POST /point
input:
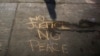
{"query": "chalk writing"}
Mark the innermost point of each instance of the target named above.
(64, 49)
(40, 23)
(41, 46)
(55, 44)
(40, 33)
(47, 35)
(31, 45)
(57, 37)
(48, 47)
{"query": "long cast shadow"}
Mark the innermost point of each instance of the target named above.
(94, 45)
(51, 4)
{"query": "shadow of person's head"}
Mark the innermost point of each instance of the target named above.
(96, 1)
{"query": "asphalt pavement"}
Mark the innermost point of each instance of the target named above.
(31, 27)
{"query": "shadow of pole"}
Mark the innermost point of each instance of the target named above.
(51, 4)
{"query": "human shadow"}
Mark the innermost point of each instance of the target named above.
(83, 26)
(91, 18)
(93, 42)
(51, 4)
(88, 24)
(96, 1)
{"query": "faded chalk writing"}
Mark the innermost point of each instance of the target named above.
(48, 47)
(46, 29)
(41, 22)
(31, 45)
(47, 35)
